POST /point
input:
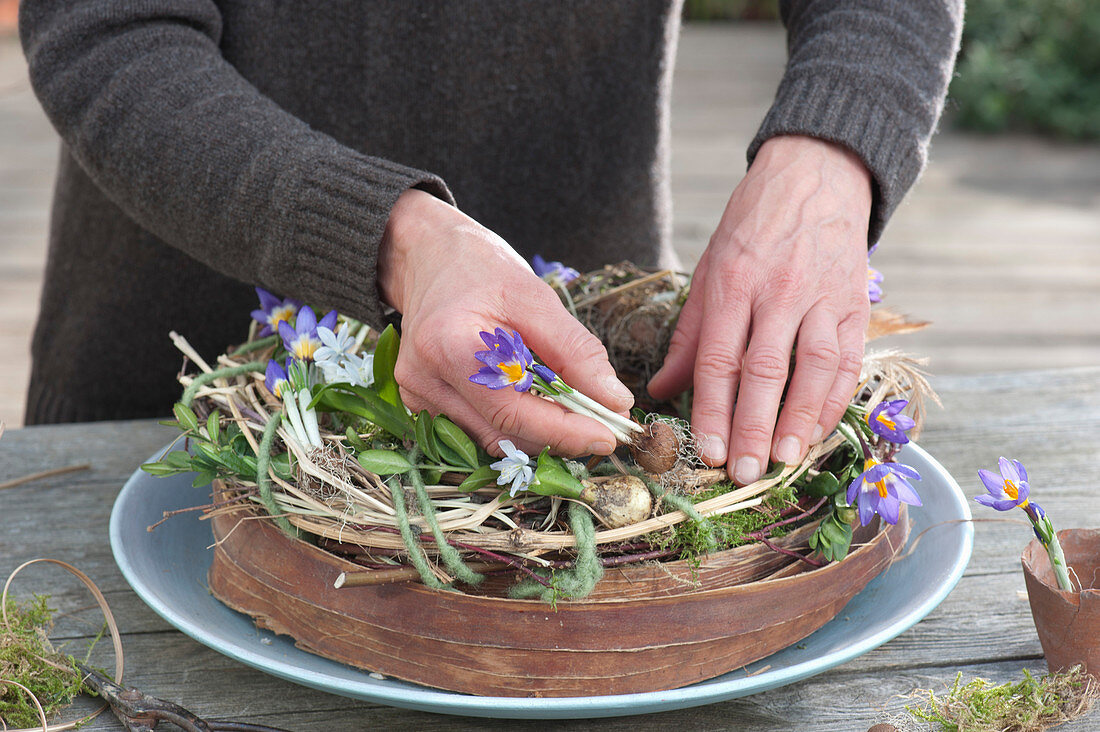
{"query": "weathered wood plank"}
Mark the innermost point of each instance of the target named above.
(1047, 419)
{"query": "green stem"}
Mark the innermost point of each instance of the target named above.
(223, 373)
(1057, 559)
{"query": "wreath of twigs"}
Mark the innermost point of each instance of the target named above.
(337, 499)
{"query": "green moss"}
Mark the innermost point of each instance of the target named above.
(695, 540)
(27, 656)
(1028, 705)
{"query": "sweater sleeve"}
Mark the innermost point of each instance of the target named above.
(190, 150)
(870, 75)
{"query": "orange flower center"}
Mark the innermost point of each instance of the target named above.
(513, 371)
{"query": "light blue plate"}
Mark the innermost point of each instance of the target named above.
(167, 569)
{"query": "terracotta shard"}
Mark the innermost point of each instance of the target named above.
(1068, 623)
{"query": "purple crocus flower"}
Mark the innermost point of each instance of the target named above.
(555, 273)
(545, 372)
(886, 420)
(275, 378)
(1007, 490)
(302, 340)
(881, 488)
(273, 311)
(507, 362)
(874, 284)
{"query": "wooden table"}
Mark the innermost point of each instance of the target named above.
(1049, 420)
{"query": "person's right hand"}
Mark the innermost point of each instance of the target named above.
(451, 278)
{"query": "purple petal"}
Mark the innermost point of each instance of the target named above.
(1008, 470)
(489, 339)
(492, 358)
(288, 335)
(905, 470)
(493, 381)
(260, 316)
(540, 266)
(544, 372)
(1023, 490)
(866, 507)
(329, 321)
(905, 492)
(889, 507)
(877, 473)
(525, 383)
(854, 489)
(1021, 470)
(996, 503)
(994, 483)
(306, 321)
(267, 300)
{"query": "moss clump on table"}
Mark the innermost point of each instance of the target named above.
(1029, 705)
(28, 657)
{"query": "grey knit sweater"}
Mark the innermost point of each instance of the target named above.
(210, 146)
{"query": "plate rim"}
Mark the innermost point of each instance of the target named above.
(395, 692)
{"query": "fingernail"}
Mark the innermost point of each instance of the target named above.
(789, 450)
(714, 449)
(819, 432)
(747, 470)
(616, 388)
(600, 447)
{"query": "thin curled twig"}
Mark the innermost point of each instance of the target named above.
(108, 616)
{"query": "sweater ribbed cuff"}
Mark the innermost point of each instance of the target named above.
(853, 116)
(338, 222)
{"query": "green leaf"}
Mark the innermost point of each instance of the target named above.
(364, 402)
(552, 478)
(203, 477)
(213, 426)
(823, 484)
(281, 463)
(832, 531)
(159, 469)
(385, 360)
(355, 440)
(480, 478)
(186, 417)
(179, 459)
(384, 462)
(425, 436)
(453, 437)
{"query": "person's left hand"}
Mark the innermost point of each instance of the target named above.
(787, 267)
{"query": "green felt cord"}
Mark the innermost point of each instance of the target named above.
(263, 480)
(452, 560)
(254, 345)
(416, 553)
(579, 580)
(203, 379)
